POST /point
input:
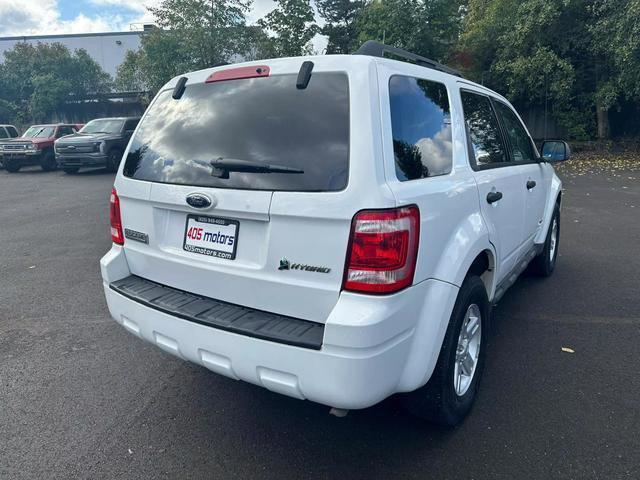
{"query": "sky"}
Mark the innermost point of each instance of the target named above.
(45, 17)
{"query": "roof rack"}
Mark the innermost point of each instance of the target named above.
(377, 49)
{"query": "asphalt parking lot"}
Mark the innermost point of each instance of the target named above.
(82, 398)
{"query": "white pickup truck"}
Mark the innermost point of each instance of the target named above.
(332, 228)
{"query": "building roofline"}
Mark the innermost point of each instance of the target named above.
(70, 35)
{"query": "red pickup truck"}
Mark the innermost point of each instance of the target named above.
(34, 147)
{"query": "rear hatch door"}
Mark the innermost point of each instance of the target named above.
(271, 236)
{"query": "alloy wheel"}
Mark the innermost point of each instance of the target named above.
(468, 350)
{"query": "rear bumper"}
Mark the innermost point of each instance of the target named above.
(368, 350)
(222, 315)
(81, 160)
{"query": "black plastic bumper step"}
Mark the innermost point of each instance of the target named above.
(222, 315)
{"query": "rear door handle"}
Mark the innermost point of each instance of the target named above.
(531, 184)
(493, 197)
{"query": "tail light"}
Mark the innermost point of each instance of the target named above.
(116, 223)
(383, 248)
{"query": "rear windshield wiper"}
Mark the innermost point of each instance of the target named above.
(222, 167)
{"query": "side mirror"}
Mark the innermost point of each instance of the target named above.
(555, 151)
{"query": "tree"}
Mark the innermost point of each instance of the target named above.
(192, 35)
(430, 28)
(7, 108)
(258, 44)
(558, 51)
(208, 31)
(161, 57)
(49, 91)
(88, 76)
(7, 111)
(617, 30)
(293, 24)
(129, 76)
(340, 23)
(36, 79)
(409, 160)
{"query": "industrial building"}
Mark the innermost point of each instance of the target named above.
(108, 49)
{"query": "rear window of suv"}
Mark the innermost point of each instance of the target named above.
(260, 120)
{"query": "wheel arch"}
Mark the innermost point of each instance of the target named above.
(437, 309)
(479, 259)
(462, 247)
(484, 266)
(114, 148)
(553, 199)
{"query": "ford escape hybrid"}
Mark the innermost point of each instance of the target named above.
(332, 228)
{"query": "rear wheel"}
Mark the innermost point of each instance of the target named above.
(449, 395)
(113, 160)
(70, 170)
(545, 262)
(11, 166)
(48, 162)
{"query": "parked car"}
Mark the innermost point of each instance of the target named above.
(7, 131)
(332, 228)
(100, 143)
(34, 147)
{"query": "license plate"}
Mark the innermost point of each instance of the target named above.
(213, 236)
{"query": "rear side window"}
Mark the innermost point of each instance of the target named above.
(3, 133)
(483, 129)
(12, 132)
(265, 121)
(130, 125)
(62, 131)
(521, 148)
(421, 127)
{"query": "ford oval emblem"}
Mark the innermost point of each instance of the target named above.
(199, 200)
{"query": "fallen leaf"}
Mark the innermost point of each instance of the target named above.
(568, 350)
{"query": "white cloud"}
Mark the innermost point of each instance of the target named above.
(437, 151)
(259, 8)
(42, 17)
(140, 8)
(137, 5)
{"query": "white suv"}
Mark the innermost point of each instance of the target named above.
(332, 228)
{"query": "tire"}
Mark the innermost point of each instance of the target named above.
(113, 160)
(48, 162)
(11, 166)
(545, 262)
(447, 397)
(70, 170)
